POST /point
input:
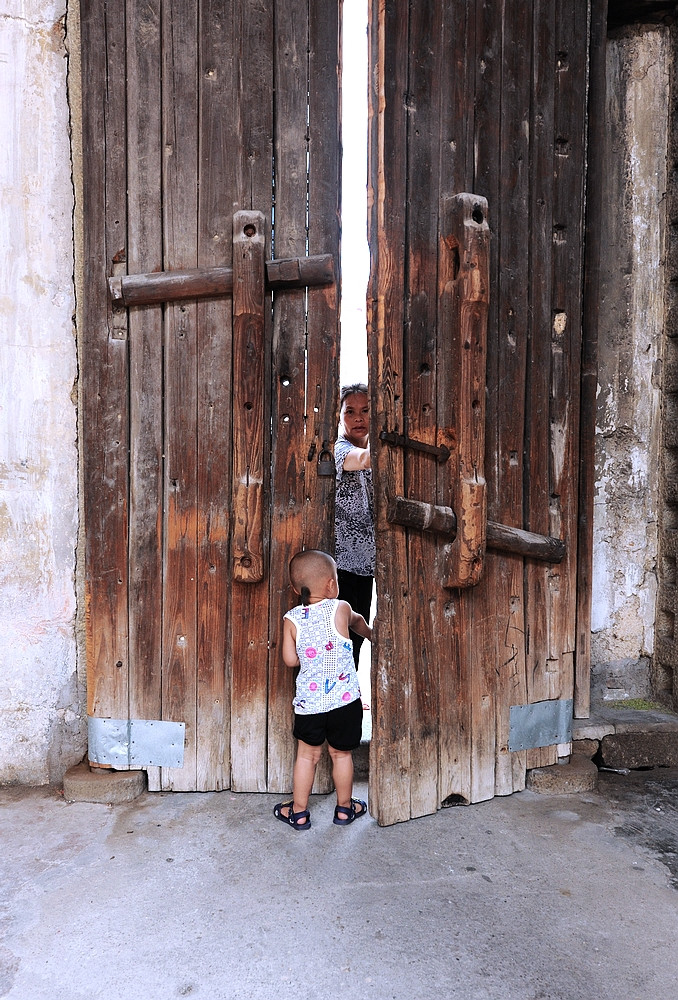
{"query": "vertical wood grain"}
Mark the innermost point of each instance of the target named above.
(180, 177)
(419, 633)
(537, 480)
(144, 212)
(105, 371)
(389, 784)
(456, 145)
(214, 374)
(569, 179)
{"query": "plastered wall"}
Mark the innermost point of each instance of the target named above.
(41, 724)
(630, 353)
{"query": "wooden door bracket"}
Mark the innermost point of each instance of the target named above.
(441, 452)
(500, 537)
(464, 304)
(248, 397)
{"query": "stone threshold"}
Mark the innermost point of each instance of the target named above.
(627, 738)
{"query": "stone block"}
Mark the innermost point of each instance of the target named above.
(585, 748)
(640, 749)
(593, 728)
(578, 775)
(81, 784)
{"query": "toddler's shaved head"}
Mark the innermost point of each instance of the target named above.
(309, 571)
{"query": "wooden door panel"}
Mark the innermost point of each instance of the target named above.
(507, 122)
(179, 115)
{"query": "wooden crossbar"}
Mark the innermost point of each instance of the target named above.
(208, 282)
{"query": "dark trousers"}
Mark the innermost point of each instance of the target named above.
(357, 590)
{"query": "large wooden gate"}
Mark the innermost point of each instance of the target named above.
(204, 421)
(193, 112)
(470, 96)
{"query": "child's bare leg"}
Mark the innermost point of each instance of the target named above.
(342, 775)
(303, 775)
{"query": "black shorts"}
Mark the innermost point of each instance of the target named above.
(342, 727)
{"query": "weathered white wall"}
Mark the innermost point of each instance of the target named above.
(41, 731)
(630, 337)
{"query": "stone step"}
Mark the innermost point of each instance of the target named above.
(579, 774)
(624, 737)
(82, 784)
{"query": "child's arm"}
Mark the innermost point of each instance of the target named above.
(348, 618)
(359, 625)
(289, 644)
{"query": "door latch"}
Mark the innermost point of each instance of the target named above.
(440, 452)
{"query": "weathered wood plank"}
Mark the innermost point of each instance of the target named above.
(456, 146)
(539, 364)
(491, 120)
(389, 783)
(144, 253)
(323, 234)
(214, 374)
(552, 674)
(426, 643)
(252, 111)
(288, 416)
(570, 125)
(507, 39)
(105, 375)
(180, 185)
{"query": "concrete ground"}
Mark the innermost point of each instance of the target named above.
(532, 897)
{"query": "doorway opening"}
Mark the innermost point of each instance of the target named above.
(355, 255)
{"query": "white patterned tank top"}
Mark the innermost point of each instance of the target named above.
(327, 677)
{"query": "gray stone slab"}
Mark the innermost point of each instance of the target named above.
(593, 728)
(629, 720)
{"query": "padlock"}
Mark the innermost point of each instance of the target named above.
(326, 466)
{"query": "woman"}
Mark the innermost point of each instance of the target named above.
(354, 511)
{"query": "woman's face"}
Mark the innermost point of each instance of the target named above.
(355, 418)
